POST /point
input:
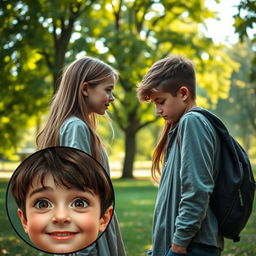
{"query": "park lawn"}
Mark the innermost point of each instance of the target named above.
(134, 207)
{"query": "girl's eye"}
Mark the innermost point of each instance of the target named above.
(43, 204)
(79, 203)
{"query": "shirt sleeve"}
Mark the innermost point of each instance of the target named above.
(197, 149)
(76, 134)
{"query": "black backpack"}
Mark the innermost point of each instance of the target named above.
(233, 194)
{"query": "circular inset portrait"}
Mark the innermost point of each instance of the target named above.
(60, 200)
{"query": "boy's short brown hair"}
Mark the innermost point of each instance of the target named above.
(69, 167)
(168, 75)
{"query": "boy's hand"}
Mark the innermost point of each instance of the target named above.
(178, 249)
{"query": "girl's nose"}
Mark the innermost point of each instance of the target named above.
(61, 216)
(111, 98)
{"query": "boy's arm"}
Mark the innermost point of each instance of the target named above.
(197, 147)
(178, 249)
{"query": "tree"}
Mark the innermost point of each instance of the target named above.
(245, 26)
(238, 110)
(133, 35)
(35, 38)
(130, 35)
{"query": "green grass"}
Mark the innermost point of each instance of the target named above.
(134, 207)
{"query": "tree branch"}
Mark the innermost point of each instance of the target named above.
(81, 10)
(118, 118)
(117, 14)
(139, 22)
(47, 59)
(147, 123)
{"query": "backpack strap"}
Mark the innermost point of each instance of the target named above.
(221, 130)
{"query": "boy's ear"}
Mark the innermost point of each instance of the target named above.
(84, 88)
(104, 220)
(184, 91)
(23, 220)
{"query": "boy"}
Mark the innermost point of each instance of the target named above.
(64, 197)
(183, 222)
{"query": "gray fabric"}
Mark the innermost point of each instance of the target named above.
(75, 133)
(182, 213)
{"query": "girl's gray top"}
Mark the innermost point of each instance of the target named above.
(75, 133)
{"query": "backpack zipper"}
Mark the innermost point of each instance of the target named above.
(240, 197)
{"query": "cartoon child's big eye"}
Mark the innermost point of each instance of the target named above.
(42, 204)
(79, 203)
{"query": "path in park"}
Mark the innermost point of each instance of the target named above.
(114, 174)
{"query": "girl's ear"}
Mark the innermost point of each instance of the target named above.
(184, 92)
(104, 220)
(23, 220)
(84, 88)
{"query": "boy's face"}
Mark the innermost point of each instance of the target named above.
(169, 107)
(61, 220)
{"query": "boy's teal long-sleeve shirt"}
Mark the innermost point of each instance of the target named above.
(182, 213)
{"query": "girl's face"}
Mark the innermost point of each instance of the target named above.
(169, 107)
(61, 220)
(100, 96)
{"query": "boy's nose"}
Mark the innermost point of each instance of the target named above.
(159, 111)
(61, 216)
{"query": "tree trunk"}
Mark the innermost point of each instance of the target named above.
(130, 147)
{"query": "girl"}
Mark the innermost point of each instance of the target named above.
(85, 91)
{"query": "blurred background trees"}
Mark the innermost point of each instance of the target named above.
(39, 37)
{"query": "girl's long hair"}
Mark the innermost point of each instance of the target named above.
(69, 101)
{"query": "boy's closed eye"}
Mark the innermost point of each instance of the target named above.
(160, 102)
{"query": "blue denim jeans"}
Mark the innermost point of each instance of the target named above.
(197, 250)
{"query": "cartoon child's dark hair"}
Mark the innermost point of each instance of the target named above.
(69, 167)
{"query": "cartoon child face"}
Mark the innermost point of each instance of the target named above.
(62, 220)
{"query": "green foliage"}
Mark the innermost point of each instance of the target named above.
(239, 109)
(23, 94)
(41, 36)
(35, 36)
(245, 18)
(245, 25)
